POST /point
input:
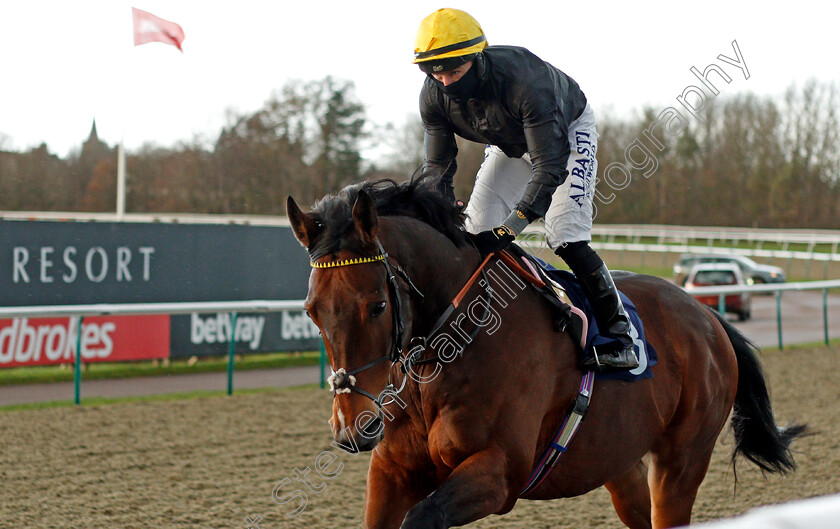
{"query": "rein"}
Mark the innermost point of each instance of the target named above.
(421, 341)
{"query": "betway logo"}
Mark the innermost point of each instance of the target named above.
(216, 329)
(22, 342)
(297, 326)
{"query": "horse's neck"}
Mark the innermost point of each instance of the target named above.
(436, 266)
(448, 273)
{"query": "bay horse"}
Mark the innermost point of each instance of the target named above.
(456, 426)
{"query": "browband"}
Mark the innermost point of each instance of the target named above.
(348, 262)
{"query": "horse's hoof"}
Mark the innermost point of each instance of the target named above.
(424, 516)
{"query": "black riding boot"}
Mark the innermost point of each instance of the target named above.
(612, 321)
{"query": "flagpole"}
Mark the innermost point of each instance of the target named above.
(120, 181)
(126, 69)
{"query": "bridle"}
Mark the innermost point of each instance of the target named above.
(344, 381)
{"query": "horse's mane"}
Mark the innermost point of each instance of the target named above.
(416, 198)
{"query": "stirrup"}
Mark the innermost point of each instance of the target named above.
(621, 359)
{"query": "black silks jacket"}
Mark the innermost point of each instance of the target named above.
(522, 105)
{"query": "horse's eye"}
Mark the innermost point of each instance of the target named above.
(377, 308)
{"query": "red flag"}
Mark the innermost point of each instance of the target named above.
(149, 28)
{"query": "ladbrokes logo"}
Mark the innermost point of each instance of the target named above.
(53, 340)
(43, 341)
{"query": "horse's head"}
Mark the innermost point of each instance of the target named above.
(358, 311)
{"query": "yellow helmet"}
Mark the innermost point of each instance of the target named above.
(446, 39)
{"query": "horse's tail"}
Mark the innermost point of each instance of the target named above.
(757, 437)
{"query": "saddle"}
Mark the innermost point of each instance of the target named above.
(565, 315)
(570, 311)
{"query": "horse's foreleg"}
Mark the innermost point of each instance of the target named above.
(389, 494)
(631, 496)
(476, 488)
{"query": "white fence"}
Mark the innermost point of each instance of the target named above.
(778, 288)
(683, 240)
(750, 252)
(171, 218)
(133, 309)
(662, 232)
(685, 234)
(767, 287)
(681, 237)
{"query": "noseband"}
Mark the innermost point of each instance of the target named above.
(343, 381)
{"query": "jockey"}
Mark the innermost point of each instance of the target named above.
(539, 160)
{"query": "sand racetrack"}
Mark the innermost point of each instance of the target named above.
(213, 462)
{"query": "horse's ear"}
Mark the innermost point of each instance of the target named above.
(303, 225)
(364, 215)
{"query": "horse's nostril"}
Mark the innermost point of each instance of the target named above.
(373, 429)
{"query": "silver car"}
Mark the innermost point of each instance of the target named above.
(753, 272)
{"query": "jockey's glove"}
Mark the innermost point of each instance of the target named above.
(501, 236)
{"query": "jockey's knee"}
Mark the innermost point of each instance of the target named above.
(580, 257)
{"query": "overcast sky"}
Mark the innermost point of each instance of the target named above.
(65, 63)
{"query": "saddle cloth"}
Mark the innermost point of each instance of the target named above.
(594, 339)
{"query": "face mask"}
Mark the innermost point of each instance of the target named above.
(464, 88)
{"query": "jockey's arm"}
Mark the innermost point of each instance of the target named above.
(439, 147)
(439, 160)
(548, 147)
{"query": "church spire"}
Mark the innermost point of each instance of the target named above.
(93, 135)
